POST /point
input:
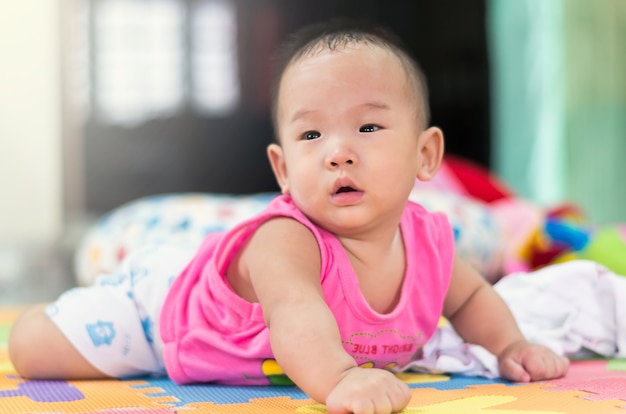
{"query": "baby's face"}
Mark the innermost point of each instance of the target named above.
(348, 130)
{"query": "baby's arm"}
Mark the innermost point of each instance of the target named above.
(283, 261)
(480, 316)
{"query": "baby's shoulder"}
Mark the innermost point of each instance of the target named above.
(281, 236)
(279, 251)
(416, 212)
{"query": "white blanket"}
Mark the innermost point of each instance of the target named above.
(573, 308)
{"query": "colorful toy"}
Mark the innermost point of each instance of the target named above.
(566, 235)
(604, 245)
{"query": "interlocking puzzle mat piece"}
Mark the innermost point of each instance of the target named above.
(590, 387)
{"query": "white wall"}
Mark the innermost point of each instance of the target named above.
(30, 122)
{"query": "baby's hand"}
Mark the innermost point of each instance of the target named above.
(368, 390)
(525, 362)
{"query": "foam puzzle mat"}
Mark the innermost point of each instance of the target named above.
(590, 387)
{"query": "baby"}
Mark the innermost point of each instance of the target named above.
(339, 282)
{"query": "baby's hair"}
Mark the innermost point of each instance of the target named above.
(337, 34)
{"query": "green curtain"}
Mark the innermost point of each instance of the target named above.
(559, 101)
(596, 107)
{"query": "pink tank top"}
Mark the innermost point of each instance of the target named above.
(212, 335)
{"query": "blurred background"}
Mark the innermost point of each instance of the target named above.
(106, 101)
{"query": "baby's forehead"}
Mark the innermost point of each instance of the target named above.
(378, 54)
(322, 47)
(381, 53)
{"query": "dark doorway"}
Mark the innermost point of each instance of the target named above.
(225, 153)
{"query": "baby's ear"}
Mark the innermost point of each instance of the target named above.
(430, 147)
(277, 161)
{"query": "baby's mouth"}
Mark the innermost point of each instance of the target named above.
(344, 190)
(346, 193)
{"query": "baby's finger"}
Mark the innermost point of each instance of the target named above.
(513, 371)
(548, 367)
(346, 407)
(363, 407)
(400, 396)
(563, 366)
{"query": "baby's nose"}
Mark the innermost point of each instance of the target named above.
(340, 151)
(341, 156)
(337, 163)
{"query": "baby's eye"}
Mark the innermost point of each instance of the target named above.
(311, 135)
(369, 128)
